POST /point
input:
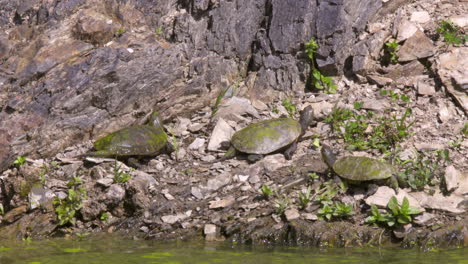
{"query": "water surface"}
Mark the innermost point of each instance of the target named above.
(120, 251)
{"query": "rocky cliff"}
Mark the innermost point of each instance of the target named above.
(77, 69)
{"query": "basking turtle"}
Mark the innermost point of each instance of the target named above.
(268, 136)
(138, 140)
(358, 169)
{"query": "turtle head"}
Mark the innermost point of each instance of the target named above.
(307, 115)
(155, 120)
(328, 156)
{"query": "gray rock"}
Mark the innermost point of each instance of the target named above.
(291, 214)
(222, 132)
(424, 218)
(456, 181)
(406, 30)
(197, 193)
(417, 46)
(197, 144)
(439, 202)
(236, 106)
(115, 194)
(172, 219)
(379, 80)
(218, 181)
(221, 203)
(310, 216)
(425, 88)
(105, 182)
(40, 197)
(209, 230)
(420, 17)
(383, 194)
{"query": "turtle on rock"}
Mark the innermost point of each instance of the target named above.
(137, 140)
(359, 169)
(267, 136)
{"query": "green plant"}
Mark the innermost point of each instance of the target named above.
(104, 216)
(464, 130)
(305, 198)
(120, 32)
(397, 214)
(119, 175)
(426, 169)
(67, 207)
(281, 205)
(358, 105)
(456, 144)
(290, 107)
(275, 110)
(82, 236)
(265, 191)
(313, 176)
(158, 31)
(19, 161)
(451, 33)
(335, 210)
(319, 81)
(392, 48)
(2, 210)
(219, 98)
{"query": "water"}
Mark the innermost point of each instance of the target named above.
(118, 251)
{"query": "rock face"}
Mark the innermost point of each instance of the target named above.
(78, 69)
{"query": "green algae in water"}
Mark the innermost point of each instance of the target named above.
(119, 251)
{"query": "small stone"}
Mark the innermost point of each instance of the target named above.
(460, 20)
(222, 132)
(144, 229)
(210, 232)
(106, 182)
(455, 180)
(383, 194)
(197, 143)
(39, 197)
(196, 192)
(401, 231)
(424, 218)
(428, 146)
(171, 219)
(379, 80)
(416, 47)
(273, 162)
(407, 154)
(406, 30)
(236, 106)
(254, 179)
(115, 194)
(425, 88)
(221, 203)
(310, 216)
(195, 127)
(375, 105)
(444, 114)
(374, 27)
(218, 182)
(169, 196)
(291, 214)
(181, 153)
(243, 178)
(421, 17)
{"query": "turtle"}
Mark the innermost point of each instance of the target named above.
(137, 140)
(356, 169)
(269, 136)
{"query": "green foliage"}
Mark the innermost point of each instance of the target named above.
(104, 216)
(395, 97)
(266, 191)
(464, 130)
(392, 48)
(120, 32)
(19, 161)
(158, 31)
(426, 169)
(82, 236)
(67, 207)
(319, 81)
(281, 205)
(313, 176)
(119, 175)
(290, 107)
(219, 98)
(451, 33)
(305, 198)
(335, 210)
(385, 132)
(396, 214)
(2, 210)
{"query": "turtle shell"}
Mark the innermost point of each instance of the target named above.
(140, 140)
(363, 169)
(266, 136)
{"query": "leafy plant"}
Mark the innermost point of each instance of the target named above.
(120, 32)
(313, 176)
(319, 81)
(158, 31)
(392, 48)
(82, 236)
(104, 216)
(305, 198)
(219, 98)
(119, 175)
(451, 33)
(290, 107)
(464, 130)
(281, 205)
(265, 191)
(335, 210)
(19, 161)
(397, 214)
(67, 207)
(2, 210)
(426, 169)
